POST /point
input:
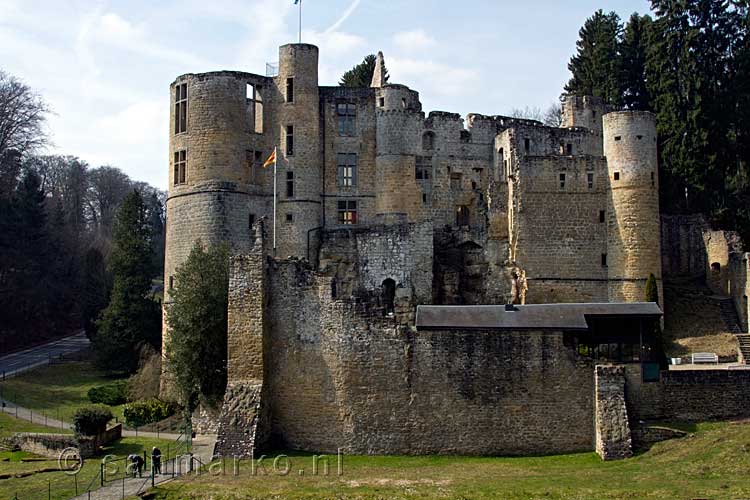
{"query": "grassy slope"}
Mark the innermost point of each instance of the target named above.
(710, 464)
(10, 425)
(63, 486)
(56, 390)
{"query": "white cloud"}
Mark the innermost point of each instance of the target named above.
(348, 12)
(432, 77)
(413, 40)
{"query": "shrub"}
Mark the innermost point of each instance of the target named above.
(145, 383)
(111, 394)
(92, 420)
(147, 412)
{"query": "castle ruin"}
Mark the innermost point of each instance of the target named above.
(385, 215)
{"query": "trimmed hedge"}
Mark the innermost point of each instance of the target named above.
(111, 394)
(91, 420)
(147, 412)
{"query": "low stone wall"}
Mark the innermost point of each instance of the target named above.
(613, 440)
(689, 395)
(50, 445)
(646, 435)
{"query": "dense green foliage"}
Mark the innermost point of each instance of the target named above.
(112, 394)
(197, 319)
(690, 65)
(91, 420)
(141, 413)
(56, 219)
(132, 318)
(361, 74)
(596, 65)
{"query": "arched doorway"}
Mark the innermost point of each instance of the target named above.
(388, 296)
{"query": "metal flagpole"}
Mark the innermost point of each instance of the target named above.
(300, 21)
(275, 161)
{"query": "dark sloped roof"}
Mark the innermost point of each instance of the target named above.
(528, 317)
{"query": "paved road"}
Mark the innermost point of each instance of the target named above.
(21, 361)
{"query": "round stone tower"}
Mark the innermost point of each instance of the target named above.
(213, 194)
(400, 120)
(633, 230)
(299, 154)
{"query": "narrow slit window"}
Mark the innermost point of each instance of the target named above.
(251, 220)
(290, 140)
(653, 179)
(290, 184)
(601, 216)
(381, 102)
(569, 149)
(590, 180)
(180, 108)
(562, 180)
(527, 144)
(290, 90)
(604, 260)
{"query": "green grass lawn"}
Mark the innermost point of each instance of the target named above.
(62, 486)
(56, 390)
(711, 463)
(10, 425)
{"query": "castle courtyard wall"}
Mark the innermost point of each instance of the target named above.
(344, 377)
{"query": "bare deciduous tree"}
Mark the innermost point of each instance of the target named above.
(553, 116)
(528, 113)
(22, 116)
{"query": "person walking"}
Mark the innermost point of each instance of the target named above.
(156, 459)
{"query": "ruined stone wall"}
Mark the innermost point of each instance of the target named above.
(613, 439)
(344, 378)
(359, 261)
(720, 246)
(683, 249)
(557, 235)
(739, 265)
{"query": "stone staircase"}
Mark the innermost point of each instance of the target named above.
(729, 316)
(743, 342)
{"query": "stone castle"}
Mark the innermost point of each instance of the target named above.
(366, 317)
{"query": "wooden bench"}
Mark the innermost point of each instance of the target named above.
(705, 357)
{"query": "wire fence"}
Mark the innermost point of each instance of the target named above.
(114, 477)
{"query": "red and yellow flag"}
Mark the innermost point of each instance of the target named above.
(271, 159)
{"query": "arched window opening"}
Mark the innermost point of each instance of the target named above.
(428, 141)
(716, 267)
(389, 296)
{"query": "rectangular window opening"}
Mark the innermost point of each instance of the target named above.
(569, 149)
(290, 140)
(456, 181)
(381, 102)
(653, 179)
(590, 180)
(527, 144)
(347, 212)
(604, 260)
(617, 176)
(347, 169)
(601, 216)
(180, 167)
(251, 220)
(180, 108)
(254, 109)
(562, 181)
(347, 119)
(290, 90)
(290, 184)
(290, 217)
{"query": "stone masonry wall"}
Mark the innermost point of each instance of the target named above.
(689, 395)
(341, 376)
(613, 440)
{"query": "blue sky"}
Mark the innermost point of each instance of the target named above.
(105, 66)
